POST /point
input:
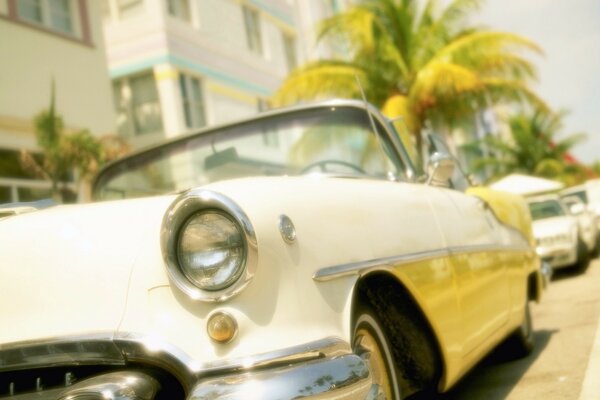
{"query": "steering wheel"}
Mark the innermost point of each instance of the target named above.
(322, 164)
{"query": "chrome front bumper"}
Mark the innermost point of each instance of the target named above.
(344, 377)
(560, 257)
(324, 369)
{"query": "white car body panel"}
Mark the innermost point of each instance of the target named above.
(559, 254)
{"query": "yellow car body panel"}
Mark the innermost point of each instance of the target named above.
(510, 209)
(447, 288)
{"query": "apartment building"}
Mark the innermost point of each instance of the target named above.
(43, 41)
(179, 65)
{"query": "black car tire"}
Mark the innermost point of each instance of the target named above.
(370, 343)
(583, 255)
(521, 342)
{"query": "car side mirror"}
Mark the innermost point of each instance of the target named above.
(440, 169)
(574, 204)
(577, 208)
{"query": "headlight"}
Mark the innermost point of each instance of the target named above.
(208, 245)
(211, 250)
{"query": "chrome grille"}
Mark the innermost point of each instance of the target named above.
(44, 383)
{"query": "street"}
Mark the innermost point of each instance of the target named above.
(563, 365)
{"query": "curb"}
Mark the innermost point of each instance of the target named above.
(590, 389)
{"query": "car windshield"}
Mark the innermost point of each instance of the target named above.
(333, 140)
(546, 209)
(581, 194)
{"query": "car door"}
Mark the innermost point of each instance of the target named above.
(472, 236)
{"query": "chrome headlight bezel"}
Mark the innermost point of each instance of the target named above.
(178, 214)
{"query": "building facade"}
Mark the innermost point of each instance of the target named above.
(45, 41)
(179, 65)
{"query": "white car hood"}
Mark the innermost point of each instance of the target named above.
(65, 269)
(553, 226)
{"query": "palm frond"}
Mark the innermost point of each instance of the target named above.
(509, 90)
(441, 82)
(319, 80)
(483, 43)
(436, 32)
(354, 28)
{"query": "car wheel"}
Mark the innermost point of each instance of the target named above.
(596, 250)
(371, 344)
(521, 342)
(583, 255)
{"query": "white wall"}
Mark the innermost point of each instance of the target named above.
(224, 109)
(32, 58)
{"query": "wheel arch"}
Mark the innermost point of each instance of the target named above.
(395, 289)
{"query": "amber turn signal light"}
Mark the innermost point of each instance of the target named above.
(221, 327)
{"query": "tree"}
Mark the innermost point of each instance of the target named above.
(534, 148)
(428, 65)
(596, 168)
(66, 156)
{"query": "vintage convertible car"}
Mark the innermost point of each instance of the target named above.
(293, 255)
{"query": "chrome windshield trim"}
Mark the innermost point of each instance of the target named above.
(359, 267)
(184, 206)
(124, 348)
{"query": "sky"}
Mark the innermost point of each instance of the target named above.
(569, 71)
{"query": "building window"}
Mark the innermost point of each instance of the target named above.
(252, 25)
(179, 9)
(289, 48)
(193, 101)
(137, 105)
(57, 15)
(30, 10)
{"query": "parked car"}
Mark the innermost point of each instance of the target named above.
(588, 230)
(295, 254)
(589, 193)
(557, 232)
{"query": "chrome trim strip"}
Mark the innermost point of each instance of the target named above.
(458, 250)
(356, 268)
(184, 206)
(327, 347)
(124, 348)
(337, 271)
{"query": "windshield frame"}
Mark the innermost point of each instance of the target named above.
(387, 130)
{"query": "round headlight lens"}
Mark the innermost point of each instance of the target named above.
(211, 250)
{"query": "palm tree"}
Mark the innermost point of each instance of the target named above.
(596, 168)
(534, 148)
(429, 66)
(78, 153)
